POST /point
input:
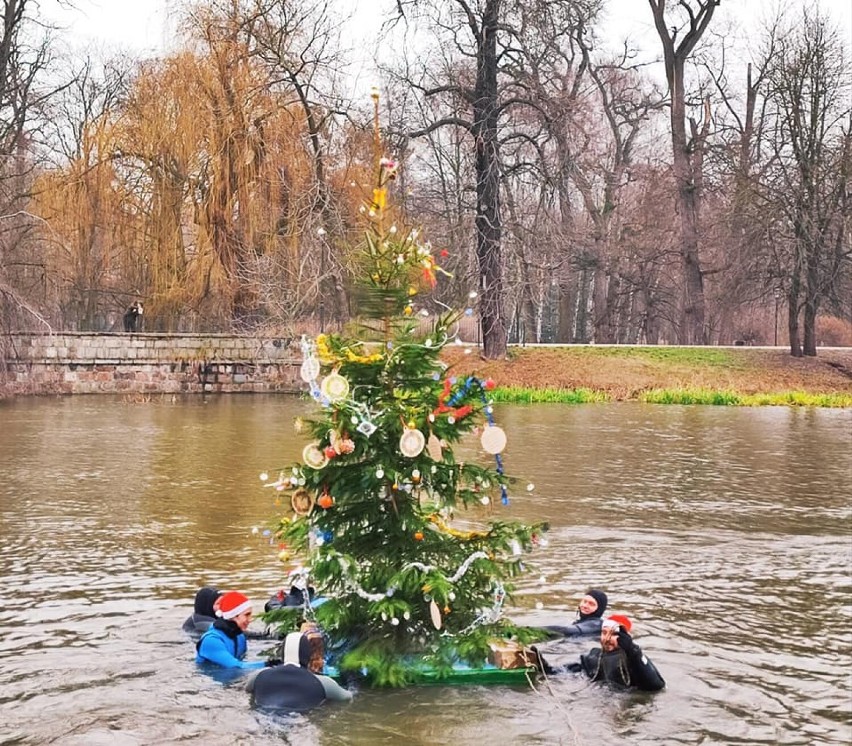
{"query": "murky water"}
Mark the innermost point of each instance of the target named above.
(725, 533)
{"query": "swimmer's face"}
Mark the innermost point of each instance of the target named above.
(609, 636)
(588, 605)
(243, 620)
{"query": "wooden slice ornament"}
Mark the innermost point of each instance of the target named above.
(433, 447)
(435, 613)
(310, 369)
(313, 456)
(412, 442)
(493, 439)
(334, 387)
(302, 502)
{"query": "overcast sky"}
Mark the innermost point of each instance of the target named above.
(142, 26)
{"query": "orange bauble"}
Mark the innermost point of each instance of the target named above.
(418, 536)
(325, 501)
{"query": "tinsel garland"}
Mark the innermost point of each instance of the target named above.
(375, 597)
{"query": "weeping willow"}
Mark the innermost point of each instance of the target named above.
(197, 193)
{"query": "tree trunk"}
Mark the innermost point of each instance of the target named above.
(687, 176)
(686, 158)
(793, 317)
(581, 335)
(812, 298)
(567, 301)
(487, 223)
(602, 326)
(607, 331)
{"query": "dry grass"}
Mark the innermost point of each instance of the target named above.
(624, 373)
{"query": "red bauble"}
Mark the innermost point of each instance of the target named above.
(489, 384)
(330, 452)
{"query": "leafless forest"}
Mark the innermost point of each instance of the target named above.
(702, 199)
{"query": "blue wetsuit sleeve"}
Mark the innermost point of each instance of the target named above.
(213, 649)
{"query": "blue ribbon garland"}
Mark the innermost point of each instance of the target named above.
(489, 415)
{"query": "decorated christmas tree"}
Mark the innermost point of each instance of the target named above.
(378, 497)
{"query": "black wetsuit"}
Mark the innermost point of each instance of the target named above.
(585, 625)
(626, 669)
(293, 599)
(203, 615)
(588, 627)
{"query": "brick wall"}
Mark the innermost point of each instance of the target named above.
(87, 363)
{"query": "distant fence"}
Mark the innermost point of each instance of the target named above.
(87, 363)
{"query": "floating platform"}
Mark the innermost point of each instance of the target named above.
(461, 676)
(488, 676)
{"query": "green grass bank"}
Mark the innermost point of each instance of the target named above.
(732, 376)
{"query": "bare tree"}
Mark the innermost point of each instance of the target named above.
(742, 268)
(82, 246)
(299, 42)
(483, 26)
(625, 106)
(808, 183)
(478, 89)
(25, 56)
(691, 19)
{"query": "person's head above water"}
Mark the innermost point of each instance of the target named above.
(610, 628)
(296, 650)
(205, 600)
(593, 604)
(236, 607)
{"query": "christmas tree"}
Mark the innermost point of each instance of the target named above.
(379, 491)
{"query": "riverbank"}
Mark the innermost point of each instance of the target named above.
(689, 375)
(151, 364)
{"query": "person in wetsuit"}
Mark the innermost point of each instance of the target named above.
(224, 643)
(300, 594)
(589, 616)
(619, 661)
(292, 686)
(204, 611)
(294, 598)
(204, 614)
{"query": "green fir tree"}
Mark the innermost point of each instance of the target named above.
(379, 487)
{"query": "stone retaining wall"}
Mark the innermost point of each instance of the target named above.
(122, 363)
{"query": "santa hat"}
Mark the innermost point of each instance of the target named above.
(232, 604)
(618, 620)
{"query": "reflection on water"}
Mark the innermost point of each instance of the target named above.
(724, 532)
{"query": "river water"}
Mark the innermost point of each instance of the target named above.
(724, 533)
